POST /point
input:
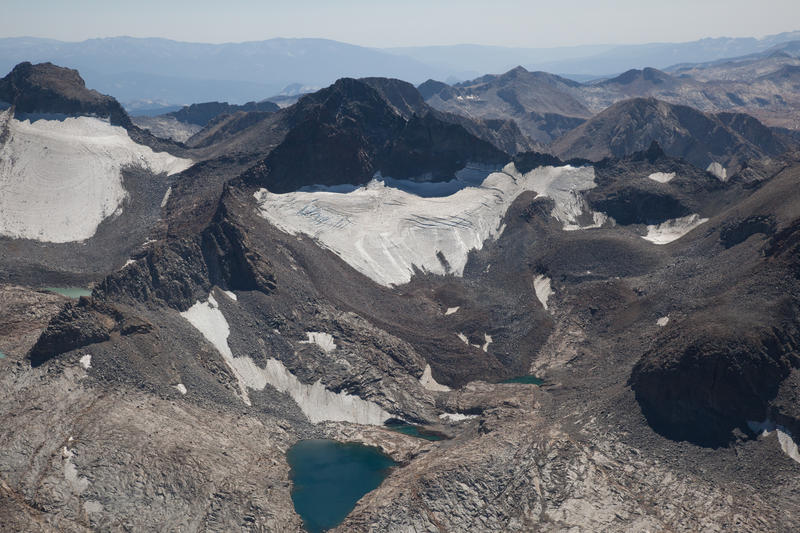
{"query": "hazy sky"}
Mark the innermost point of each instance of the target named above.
(382, 23)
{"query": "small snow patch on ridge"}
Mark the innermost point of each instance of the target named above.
(718, 170)
(181, 388)
(487, 340)
(662, 177)
(456, 417)
(429, 383)
(451, 310)
(674, 229)
(663, 321)
(230, 295)
(323, 340)
(543, 289)
(86, 361)
(787, 443)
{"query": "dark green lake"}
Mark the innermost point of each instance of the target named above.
(415, 431)
(70, 292)
(329, 477)
(528, 380)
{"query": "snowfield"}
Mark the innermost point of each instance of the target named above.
(59, 179)
(384, 232)
(316, 402)
(673, 229)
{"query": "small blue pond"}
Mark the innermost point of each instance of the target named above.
(414, 431)
(329, 477)
(528, 380)
(70, 292)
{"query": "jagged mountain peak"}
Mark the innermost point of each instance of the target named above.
(345, 133)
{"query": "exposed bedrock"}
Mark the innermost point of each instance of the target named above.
(349, 132)
(182, 271)
(715, 371)
(47, 88)
(80, 324)
(637, 206)
(738, 231)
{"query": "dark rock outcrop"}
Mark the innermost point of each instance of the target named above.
(348, 132)
(201, 114)
(80, 324)
(47, 88)
(715, 372)
(180, 271)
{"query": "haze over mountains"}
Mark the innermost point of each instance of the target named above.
(143, 72)
(588, 292)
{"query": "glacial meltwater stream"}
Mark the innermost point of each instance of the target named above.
(329, 477)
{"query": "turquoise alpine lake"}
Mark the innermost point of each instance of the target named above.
(69, 292)
(329, 477)
(528, 380)
(414, 431)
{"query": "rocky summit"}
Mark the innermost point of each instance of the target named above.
(486, 306)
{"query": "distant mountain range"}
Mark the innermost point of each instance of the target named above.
(159, 72)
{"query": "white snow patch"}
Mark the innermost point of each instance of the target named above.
(60, 179)
(674, 229)
(718, 170)
(451, 310)
(323, 340)
(487, 340)
(429, 383)
(662, 177)
(663, 321)
(787, 443)
(128, 262)
(230, 295)
(78, 483)
(572, 207)
(384, 232)
(456, 417)
(166, 197)
(181, 388)
(543, 289)
(316, 402)
(86, 361)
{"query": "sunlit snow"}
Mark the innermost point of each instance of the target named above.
(785, 440)
(673, 229)
(316, 402)
(59, 179)
(429, 383)
(384, 232)
(541, 285)
(662, 177)
(323, 340)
